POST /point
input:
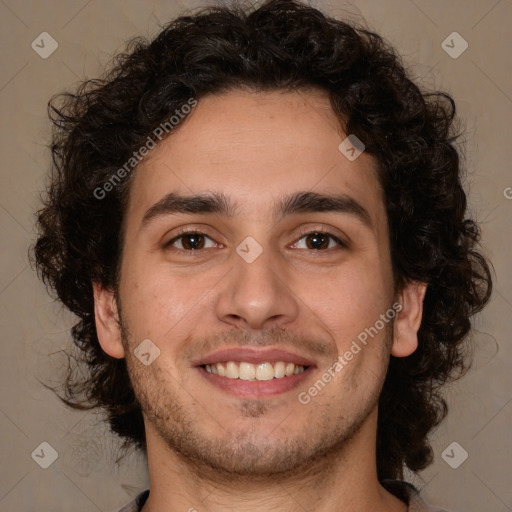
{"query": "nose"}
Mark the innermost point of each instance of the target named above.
(257, 294)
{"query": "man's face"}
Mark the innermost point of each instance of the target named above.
(306, 295)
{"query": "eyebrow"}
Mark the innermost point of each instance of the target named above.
(219, 204)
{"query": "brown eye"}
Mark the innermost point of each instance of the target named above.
(317, 241)
(192, 241)
(320, 241)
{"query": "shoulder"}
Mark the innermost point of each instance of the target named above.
(136, 504)
(408, 493)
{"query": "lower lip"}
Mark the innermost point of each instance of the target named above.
(256, 388)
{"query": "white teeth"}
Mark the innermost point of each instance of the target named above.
(221, 369)
(264, 371)
(232, 370)
(249, 371)
(279, 370)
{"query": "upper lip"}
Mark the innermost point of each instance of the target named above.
(254, 356)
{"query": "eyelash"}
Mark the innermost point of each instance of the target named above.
(182, 233)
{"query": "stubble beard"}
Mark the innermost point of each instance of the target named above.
(244, 454)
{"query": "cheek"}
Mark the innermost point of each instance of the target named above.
(351, 297)
(162, 304)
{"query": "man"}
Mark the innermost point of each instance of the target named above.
(259, 220)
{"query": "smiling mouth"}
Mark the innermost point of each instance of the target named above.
(254, 372)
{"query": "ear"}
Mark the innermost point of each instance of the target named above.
(107, 321)
(408, 319)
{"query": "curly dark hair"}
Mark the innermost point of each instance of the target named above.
(280, 45)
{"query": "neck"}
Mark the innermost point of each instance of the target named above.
(343, 480)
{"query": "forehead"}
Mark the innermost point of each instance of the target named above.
(256, 147)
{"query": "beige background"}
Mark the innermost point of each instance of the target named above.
(84, 477)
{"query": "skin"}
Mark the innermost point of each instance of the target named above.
(209, 450)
